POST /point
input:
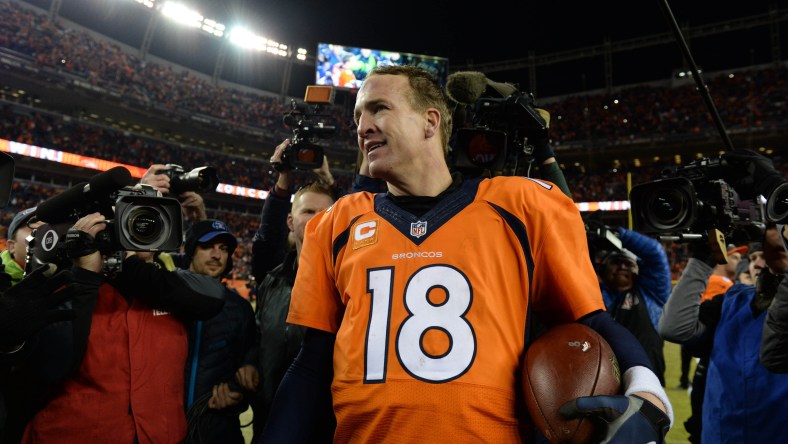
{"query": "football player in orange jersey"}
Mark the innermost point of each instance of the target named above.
(418, 300)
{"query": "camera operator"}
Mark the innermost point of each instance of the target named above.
(25, 309)
(743, 401)
(757, 175)
(278, 342)
(115, 373)
(269, 244)
(774, 344)
(15, 254)
(688, 303)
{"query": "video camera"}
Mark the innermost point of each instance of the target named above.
(303, 153)
(498, 124)
(691, 200)
(138, 217)
(200, 179)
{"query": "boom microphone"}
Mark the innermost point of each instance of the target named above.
(102, 185)
(466, 87)
(61, 208)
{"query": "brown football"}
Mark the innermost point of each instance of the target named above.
(566, 362)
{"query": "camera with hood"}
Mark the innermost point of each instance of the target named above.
(138, 218)
(308, 125)
(692, 199)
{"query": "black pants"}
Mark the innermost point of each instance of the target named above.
(686, 359)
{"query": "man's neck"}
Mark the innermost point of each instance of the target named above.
(429, 185)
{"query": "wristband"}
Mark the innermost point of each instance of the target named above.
(79, 243)
(654, 415)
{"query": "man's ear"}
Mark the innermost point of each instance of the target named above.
(432, 122)
(290, 222)
(9, 245)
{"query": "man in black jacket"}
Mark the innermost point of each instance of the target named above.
(279, 342)
(218, 346)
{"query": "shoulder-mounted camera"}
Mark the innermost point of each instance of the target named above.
(497, 123)
(691, 200)
(138, 218)
(308, 125)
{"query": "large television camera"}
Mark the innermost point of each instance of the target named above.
(497, 124)
(138, 217)
(691, 200)
(308, 125)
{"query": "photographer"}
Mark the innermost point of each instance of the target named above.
(191, 202)
(127, 346)
(635, 284)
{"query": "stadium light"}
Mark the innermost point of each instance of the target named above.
(301, 55)
(247, 39)
(182, 14)
(148, 3)
(213, 27)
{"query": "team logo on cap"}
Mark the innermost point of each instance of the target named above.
(219, 225)
(418, 229)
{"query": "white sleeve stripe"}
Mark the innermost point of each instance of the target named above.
(543, 184)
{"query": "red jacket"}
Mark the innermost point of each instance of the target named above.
(130, 381)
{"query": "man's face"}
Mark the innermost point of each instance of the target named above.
(18, 245)
(210, 258)
(774, 252)
(390, 131)
(307, 205)
(757, 263)
(618, 273)
(733, 262)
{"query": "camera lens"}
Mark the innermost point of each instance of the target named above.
(144, 225)
(777, 204)
(667, 208)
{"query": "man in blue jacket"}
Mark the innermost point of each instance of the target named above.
(635, 284)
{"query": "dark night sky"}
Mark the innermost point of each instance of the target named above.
(489, 31)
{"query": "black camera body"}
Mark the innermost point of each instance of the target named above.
(138, 219)
(501, 131)
(201, 179)
(308, 126)
(691, 200)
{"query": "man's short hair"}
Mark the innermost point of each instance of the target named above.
(313, 187)
(426, 92)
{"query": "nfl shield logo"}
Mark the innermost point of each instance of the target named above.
(418, 229)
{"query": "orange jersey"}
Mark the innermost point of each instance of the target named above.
(430, 312)
(717, 285)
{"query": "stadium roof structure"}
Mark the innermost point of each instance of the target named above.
(549, 48)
